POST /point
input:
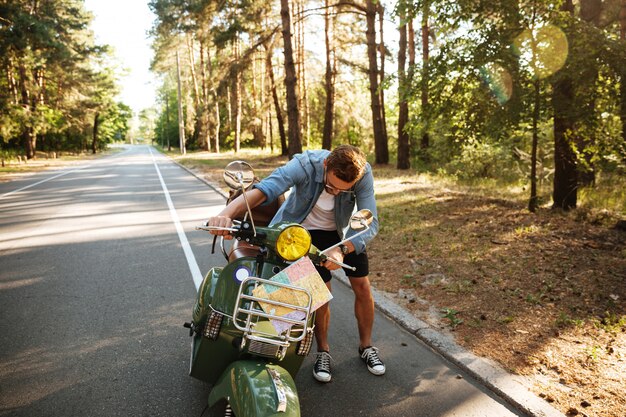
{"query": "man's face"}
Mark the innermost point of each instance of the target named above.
(334, 185)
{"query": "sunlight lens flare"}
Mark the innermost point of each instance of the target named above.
(499, 81)
(542, 50)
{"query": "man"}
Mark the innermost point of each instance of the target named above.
(325, 186)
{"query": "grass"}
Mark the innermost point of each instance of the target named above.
(45, 160)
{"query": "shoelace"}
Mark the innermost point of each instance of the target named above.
(323, 361)
(371, 355)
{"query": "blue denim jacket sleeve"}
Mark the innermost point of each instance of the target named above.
(304, 175)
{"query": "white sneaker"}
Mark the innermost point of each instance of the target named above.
(370, 357)
(321, 369)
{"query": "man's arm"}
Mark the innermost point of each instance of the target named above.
(236, 208)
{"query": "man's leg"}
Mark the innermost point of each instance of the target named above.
(322, 322)
(363, 309)
(364, 312)
(321, 367)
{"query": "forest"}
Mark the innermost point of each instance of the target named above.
(58, 87)
(532, 92)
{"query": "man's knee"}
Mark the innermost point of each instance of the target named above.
(361, 286)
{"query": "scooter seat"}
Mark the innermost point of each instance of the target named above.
(242, 249)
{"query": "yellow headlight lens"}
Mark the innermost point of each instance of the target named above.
(293, 243)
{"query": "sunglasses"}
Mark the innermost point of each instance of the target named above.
(331, 189)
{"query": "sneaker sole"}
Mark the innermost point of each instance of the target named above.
(375, 372)
(321, 378)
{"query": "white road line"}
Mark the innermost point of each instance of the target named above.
(191, 259)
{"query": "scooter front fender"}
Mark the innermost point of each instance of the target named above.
(251, 390)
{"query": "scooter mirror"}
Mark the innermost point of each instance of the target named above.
(238, 174)
(361, 220)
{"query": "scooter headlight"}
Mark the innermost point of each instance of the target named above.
(293, 243)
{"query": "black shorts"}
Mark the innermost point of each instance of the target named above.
(323, 239)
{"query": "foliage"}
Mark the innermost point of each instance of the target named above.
(55, 77)
(487, 62)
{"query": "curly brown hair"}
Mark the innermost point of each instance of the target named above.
(347, 162)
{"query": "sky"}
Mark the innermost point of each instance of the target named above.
(123, 24)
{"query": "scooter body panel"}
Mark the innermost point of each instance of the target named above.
(251, 391)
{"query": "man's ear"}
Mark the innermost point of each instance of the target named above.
(325, 163)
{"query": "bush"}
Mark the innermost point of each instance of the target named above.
(481, 160)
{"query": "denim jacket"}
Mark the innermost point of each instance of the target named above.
(305, 173)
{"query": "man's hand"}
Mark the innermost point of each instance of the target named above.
(221, 221)
(335, 254)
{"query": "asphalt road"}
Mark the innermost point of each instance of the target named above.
(97, 271)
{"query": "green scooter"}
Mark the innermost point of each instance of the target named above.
(252, 323)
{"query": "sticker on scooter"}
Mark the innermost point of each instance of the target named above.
(240, 274)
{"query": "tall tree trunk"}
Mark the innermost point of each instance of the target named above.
(96, 125)
(13, 82)
(236, 96)
(622, 32)
(218, 122)
(181, 121)
(381, 51)
(533, 202)
(590, 11)
(425, 143)
(565, 187)
(216, 100)
(28, 135)
(565, 172)
(300, 60)
(293, 114)
(279, 114)
(329, 78)
(167, 122)
(403, 105)
(205, 96)
(380, 141)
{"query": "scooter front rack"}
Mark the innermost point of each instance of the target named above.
(248, 314)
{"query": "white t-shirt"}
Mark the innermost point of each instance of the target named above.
(322, 217)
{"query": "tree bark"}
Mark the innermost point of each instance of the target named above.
(533, 202)
(425, 142)
(96, 125)
(300, 60)
(28, 135)
(215, 96)
(590, 11)
(167, 122)
(293, 113)
(403, 105)
(236, 97)
(380, 141)
(329, 79)
(181, 121)
(279, 114)
(565, 186)
(202, 116)
(381, 51)
(622, 19)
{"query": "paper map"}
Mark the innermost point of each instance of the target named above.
(300, 274)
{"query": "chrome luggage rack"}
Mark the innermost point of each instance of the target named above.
(248, 313)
